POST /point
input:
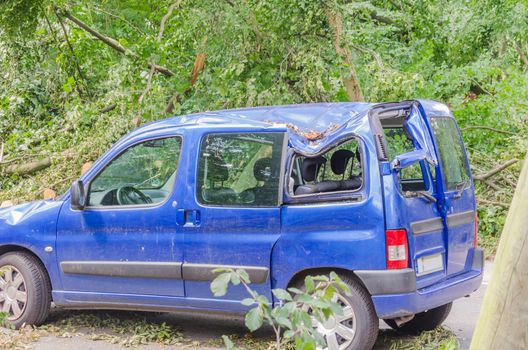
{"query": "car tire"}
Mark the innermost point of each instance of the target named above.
(364, 320)
(25, 290)
(424, 321)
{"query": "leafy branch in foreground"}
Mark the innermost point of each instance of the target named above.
(298, 312)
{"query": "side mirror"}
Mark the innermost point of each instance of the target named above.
(77, 195)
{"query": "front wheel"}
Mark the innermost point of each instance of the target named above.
(358, 327)
(25, 291)
(424, 321)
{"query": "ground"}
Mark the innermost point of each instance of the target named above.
(87, 330)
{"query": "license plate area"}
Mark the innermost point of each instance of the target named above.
(429, 264)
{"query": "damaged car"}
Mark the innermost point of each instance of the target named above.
(382, 194)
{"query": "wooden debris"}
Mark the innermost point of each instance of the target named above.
(85, 167)
(6, 204)
(495, 170)
(28, 168)
(48, 193)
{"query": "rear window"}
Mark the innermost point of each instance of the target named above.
(452, 156)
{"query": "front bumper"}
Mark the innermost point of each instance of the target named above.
(401, 302)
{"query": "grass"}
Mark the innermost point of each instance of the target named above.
(132, 329)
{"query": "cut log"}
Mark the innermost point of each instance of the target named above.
(6, 204)
(28, 168)
(48, 193)
(85, 167)
(503, 320)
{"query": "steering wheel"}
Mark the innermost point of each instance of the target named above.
(127, 195)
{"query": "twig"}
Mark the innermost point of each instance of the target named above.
(166, 17)
(1, 153)
(119, 18)
(485, 176)
(77, 67)
(114, 44)
(486, 201)
(491, 184)
(12, 160)
(487, 128)
(371, 52)
(158, 39)
(108, 108)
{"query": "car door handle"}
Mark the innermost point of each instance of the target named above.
(188, 217)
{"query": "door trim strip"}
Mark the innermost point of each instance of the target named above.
(204, 272)
(137, 269)
(159, 270)
(426, 226)
(462, 218)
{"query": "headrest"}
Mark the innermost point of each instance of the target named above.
(262, 169)
(310, 167)
(217, 169)
(340, 160)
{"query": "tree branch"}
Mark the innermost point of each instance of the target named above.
(166, 17)
(494, 171)
(487, 128)
(485, 201)
(521, 53)
(113, 43)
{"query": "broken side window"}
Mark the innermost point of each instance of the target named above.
(337, 170)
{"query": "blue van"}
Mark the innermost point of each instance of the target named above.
(382, 194)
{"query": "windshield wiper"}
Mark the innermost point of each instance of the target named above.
(460, 187)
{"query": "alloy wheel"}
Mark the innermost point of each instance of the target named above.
(13, 293)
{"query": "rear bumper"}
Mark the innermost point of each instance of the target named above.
(391, 298)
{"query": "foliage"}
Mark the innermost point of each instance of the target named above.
(295, 315)
(61, 89)
(438, 339)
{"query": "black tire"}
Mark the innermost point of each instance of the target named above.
(424, 321)
(366, 320)
(36, 286)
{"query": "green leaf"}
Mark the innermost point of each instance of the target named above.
(235, 278)
(281, 294)
(220, 284)
(248, 301)
(243, 275)
(309, 284)
(295, 290)
(254, 319)
(262, 299)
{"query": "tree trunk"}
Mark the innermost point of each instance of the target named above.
(350, 78)
(503, 320)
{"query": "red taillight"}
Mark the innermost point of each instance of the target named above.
(397, 249)
(475, 237)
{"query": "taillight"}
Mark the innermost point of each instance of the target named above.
(397, 249)
(475, 237)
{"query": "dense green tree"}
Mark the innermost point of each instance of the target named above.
(77, 75)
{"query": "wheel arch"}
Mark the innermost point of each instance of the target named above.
(10, 248)
(314, 271)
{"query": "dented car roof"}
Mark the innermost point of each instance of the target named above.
(310, 126)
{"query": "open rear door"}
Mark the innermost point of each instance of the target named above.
(411, 150)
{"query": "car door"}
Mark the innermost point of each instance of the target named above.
(126, 241)
(458, 202)
(233, 217)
